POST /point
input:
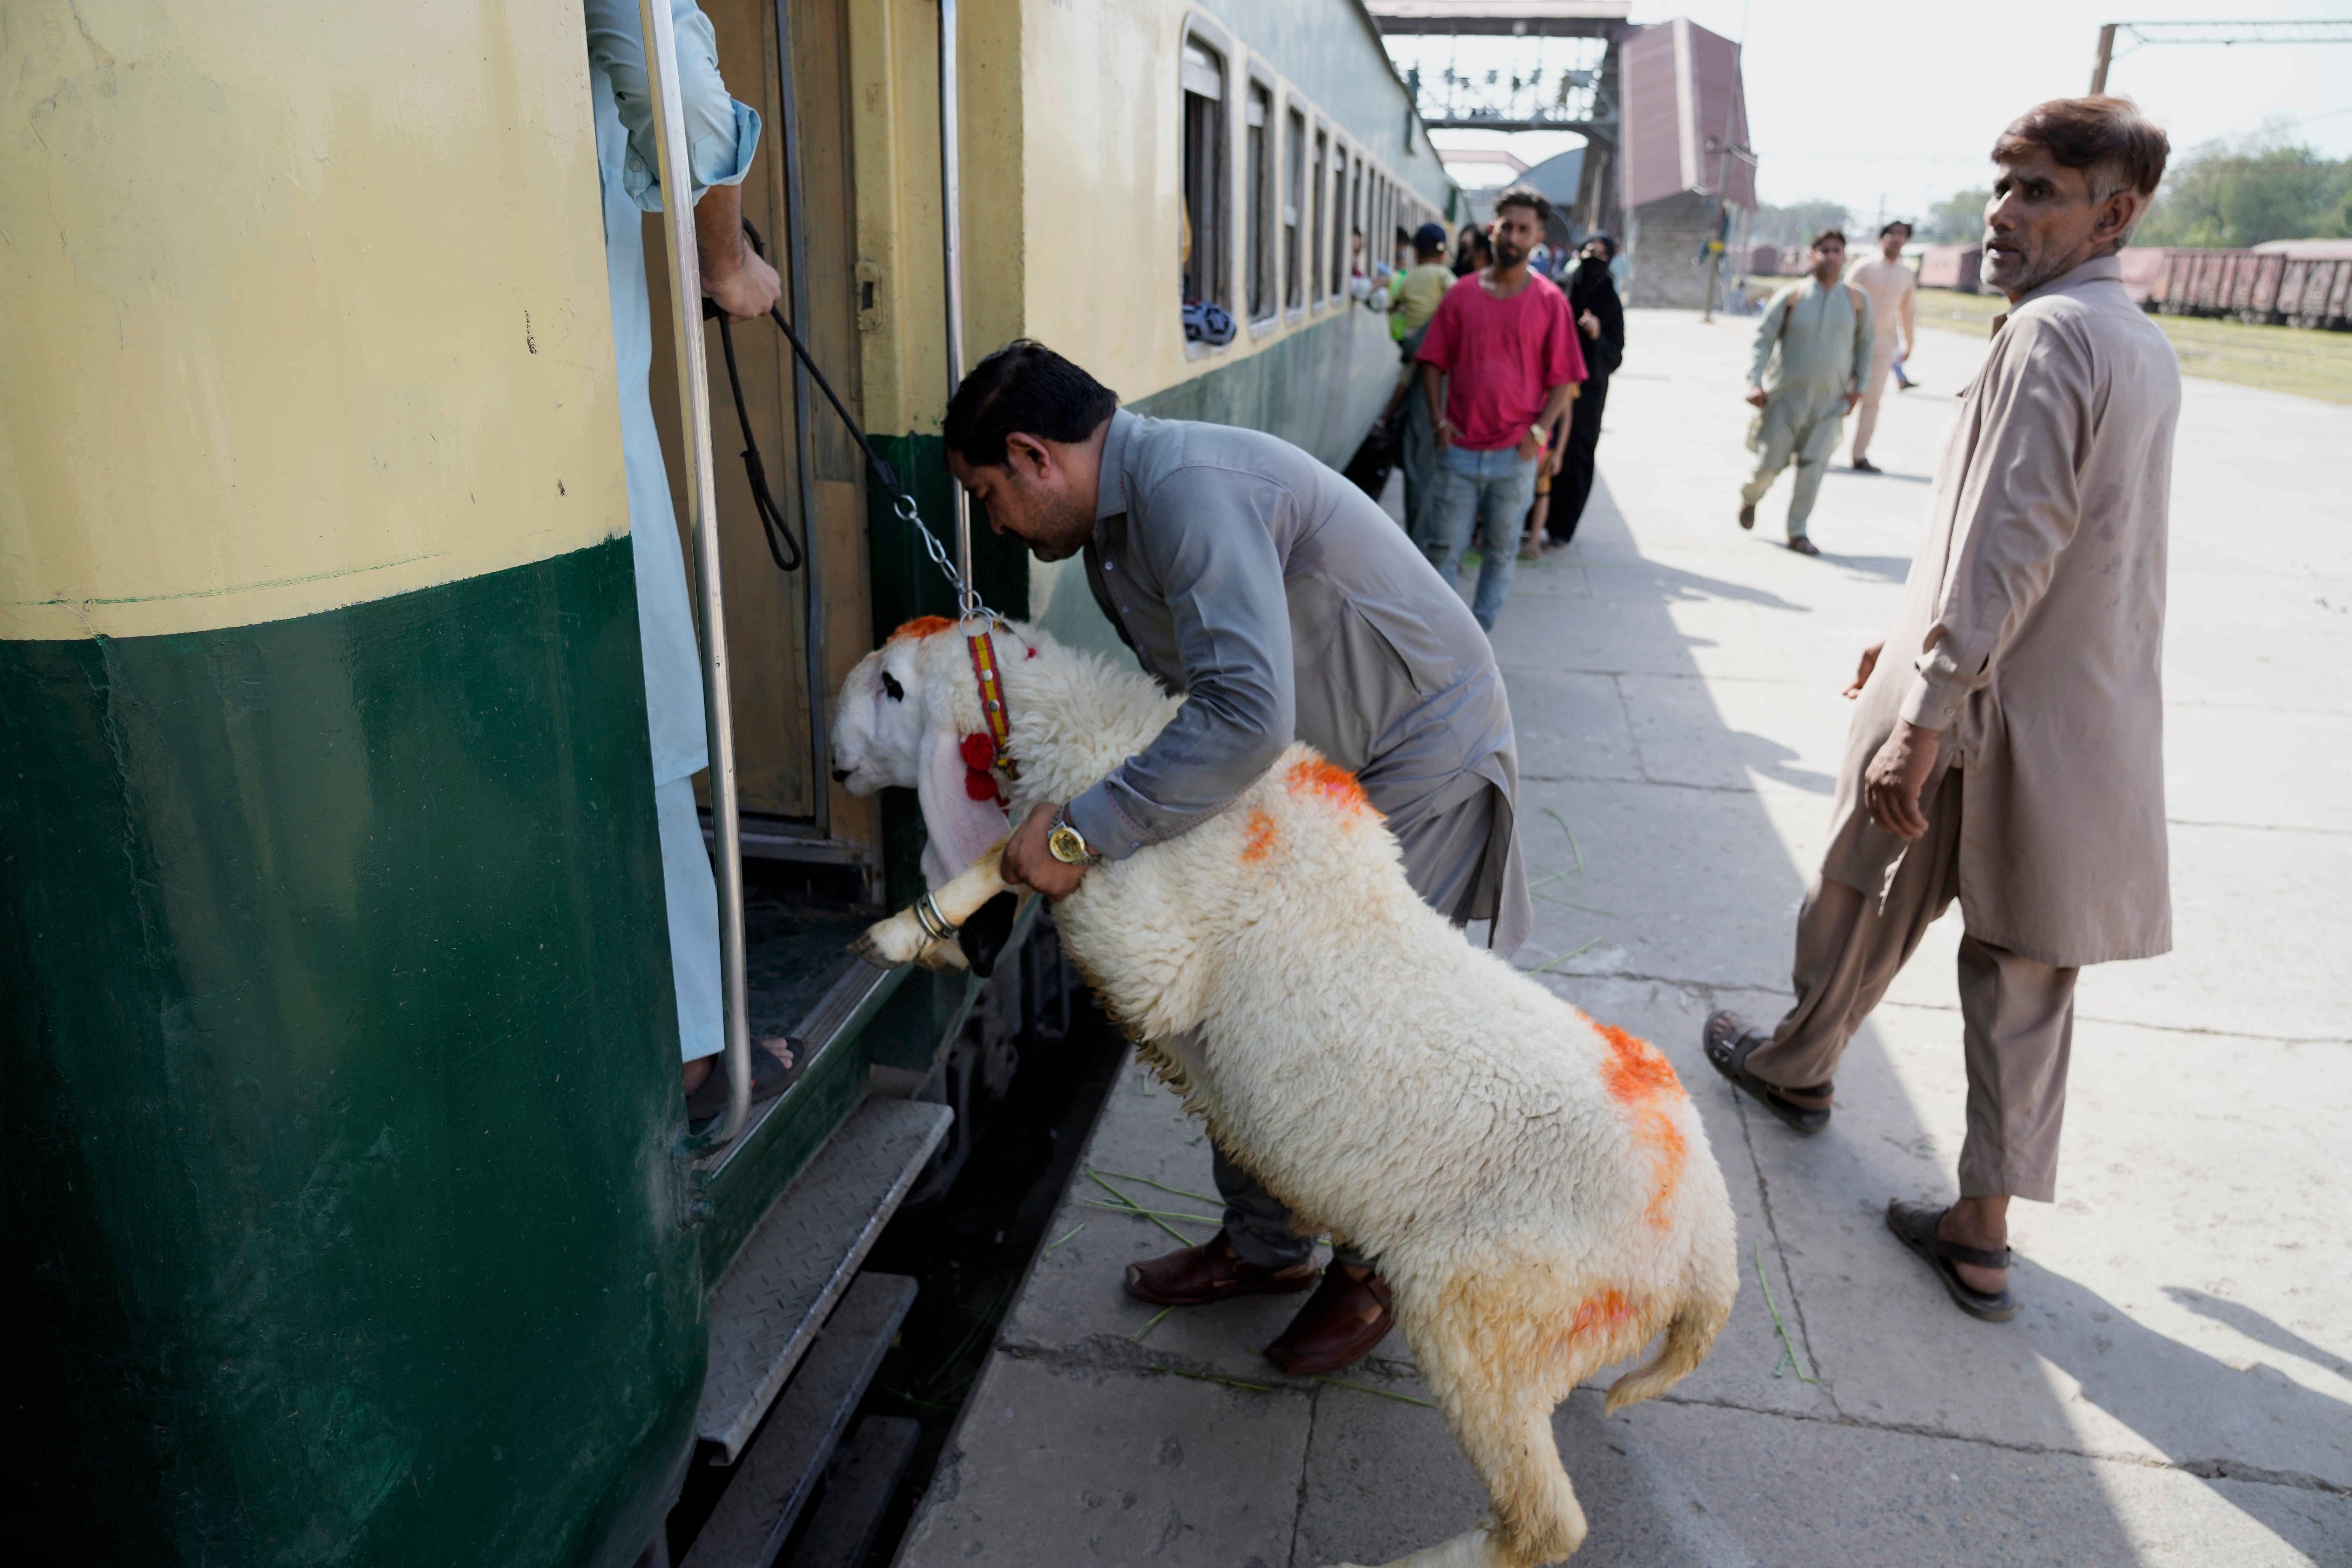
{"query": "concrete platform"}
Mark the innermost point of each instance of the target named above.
(2178, 1387)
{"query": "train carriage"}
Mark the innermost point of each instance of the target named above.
(351, 1210)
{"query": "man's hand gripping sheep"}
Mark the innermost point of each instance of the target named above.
(1537, 1186)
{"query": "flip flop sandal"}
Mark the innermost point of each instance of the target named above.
(1914, 1225)
(1729, 1041)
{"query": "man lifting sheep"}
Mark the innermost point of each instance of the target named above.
(1285, 605)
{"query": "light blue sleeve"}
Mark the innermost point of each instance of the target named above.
(721, 133)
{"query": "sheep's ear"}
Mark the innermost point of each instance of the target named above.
(961, 828)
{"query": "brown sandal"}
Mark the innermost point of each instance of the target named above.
(1729, 1040)
(1914, 1225)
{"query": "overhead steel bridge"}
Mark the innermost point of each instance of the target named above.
(1507, 65)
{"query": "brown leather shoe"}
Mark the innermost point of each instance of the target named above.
(1211, 1272)
(1341, 1323)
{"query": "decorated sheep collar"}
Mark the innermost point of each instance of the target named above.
(988, 752)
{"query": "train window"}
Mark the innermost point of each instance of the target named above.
(1339, 279)
(1293, 287)
(1259, 118)
(1315, 290)
(1207, 231)
(1356, 257)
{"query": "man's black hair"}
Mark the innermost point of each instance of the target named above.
(1826, 235)
(1026, 388)
(1892, 226)
(1524, 196)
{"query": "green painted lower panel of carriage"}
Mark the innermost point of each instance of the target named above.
(338, 1071)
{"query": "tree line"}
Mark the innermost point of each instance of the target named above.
(2220, 194)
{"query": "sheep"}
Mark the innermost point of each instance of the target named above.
(1537, 1186)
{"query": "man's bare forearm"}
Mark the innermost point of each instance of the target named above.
(1556, 405)
(1432, 389)
(719, 231)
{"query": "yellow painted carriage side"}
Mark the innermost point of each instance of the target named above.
(1070, 115)
(259, 365)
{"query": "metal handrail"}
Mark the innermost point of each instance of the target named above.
(951, 208)
(702, 514)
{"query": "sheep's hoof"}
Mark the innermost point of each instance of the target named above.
(946, 956)
(886, 945)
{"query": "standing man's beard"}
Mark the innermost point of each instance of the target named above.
(1508, 255)
(2015, 265)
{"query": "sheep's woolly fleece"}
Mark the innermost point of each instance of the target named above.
(1538, 1187)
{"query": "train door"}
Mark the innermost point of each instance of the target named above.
(794, 635)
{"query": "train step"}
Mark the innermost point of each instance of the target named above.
(781, 1468)
(766, 1310)
(858, 1494)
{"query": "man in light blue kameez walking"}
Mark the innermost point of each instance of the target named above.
(722, 135)
(1813, 357)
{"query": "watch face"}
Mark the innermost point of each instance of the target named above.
(1066, 846)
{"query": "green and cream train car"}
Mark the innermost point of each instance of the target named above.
(350, 1212)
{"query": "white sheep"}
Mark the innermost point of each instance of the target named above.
(1537, 1186)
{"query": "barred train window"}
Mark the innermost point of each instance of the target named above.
(1316, 250)
(1206, 227)
(1356, 216)
(1338, 281)
(1259, 119)
(1293, 287)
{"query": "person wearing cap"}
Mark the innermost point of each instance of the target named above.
(1413, 301)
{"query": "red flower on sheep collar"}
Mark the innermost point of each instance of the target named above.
(979, 762)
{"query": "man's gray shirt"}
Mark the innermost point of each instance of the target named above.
(1282, 603)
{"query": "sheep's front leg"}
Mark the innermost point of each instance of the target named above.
(902, 938)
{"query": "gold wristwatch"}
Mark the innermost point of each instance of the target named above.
(1066, 844)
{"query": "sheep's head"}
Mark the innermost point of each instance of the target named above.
(877, 725)
(901, 721)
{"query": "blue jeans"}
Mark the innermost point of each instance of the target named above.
(1471, 488)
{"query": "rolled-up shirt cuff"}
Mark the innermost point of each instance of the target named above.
(718, 158)
(1931, 704)
(1102, 825)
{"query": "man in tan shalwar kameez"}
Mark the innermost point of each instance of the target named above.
(2008, 750)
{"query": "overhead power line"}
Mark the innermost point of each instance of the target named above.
(2223, 33)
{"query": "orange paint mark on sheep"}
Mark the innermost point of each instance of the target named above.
(1637, 1071)
(1640, 1078)
(922, 626)
(1261, 838)
(1604, 1313)
(1318, 775)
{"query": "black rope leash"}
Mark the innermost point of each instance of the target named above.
(771, 517)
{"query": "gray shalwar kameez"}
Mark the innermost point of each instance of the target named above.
(1283, 603)
(1813, 348)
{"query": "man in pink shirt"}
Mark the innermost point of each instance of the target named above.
(1499, 366)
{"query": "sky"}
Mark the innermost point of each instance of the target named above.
(1891, 107)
